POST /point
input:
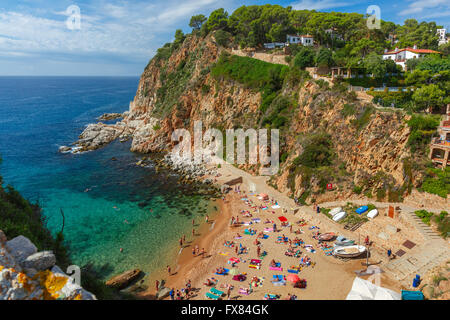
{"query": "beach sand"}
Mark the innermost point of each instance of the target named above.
(328, 277)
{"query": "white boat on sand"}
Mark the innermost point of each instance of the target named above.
(349, 251)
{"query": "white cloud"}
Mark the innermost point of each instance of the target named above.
(133, 30)
(422, 5)
(318, 5)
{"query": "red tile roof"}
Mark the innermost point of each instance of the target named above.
(412, 50)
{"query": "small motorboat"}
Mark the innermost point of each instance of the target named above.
(327, 236)
(372, 213)
(343, 242)
(362, 209)
(341, 215)
(335, 211)
(349, 251)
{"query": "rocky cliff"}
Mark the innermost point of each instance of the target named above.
(368, 146)
(26, 274)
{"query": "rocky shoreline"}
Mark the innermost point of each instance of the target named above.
(26, 274)
(98, 135)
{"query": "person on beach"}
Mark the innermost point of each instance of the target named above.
(181, 242)
(184, 238)
(389, 253)
(207, 218)
(203, 252)
(193, 222)
(193, 232)
(121, 250)
(168, 270)
(157, 285)
(172, 294)
(366, 241)
(258, 251)
(196, 249)
(274, 227)
(228, 293)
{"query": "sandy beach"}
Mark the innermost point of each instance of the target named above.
(326, 277)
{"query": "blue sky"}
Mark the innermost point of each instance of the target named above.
(118, 37)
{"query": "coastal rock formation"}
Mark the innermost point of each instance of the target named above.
(110, 116)
(125, 279)
(26, 274)
(370, 144)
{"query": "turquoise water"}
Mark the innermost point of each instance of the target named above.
(37, 115)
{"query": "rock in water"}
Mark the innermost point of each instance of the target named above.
(21, 248)
(40, 261)
(124, 280)
(65, 149)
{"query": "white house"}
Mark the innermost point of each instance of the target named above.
(401, 55)
(305, 40)
(442, 36)
(332, 32)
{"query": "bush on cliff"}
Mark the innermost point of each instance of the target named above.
(422, 128)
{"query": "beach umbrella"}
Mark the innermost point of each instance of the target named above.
(293, 278)
(282, 219)
(234, 271)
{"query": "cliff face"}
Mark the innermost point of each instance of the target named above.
(176, 93)
(26, 274)
(369, 144)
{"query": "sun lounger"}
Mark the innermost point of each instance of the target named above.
(279, 283)
(224, 273)
(270, 297)
(209, 295)
(276, 268)
(217, 292)
(254, 266)
(240, 277)
(255, 261)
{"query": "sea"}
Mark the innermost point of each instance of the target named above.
(109, 203)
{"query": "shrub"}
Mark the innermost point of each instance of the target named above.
(222, 38)
(357, 189)
(317, 152)
(422, 128)
(437, 182)
(348, 110)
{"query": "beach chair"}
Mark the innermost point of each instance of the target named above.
(209, 295)
(217, 292)
(224, 273)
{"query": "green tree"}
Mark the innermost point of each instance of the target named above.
(324, 58)
(375, 65)
(179, 37)
(222, 37)
(304, 58)
(217, 20)
(428, 96)
(197, 21)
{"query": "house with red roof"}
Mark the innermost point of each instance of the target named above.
(400, 56)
